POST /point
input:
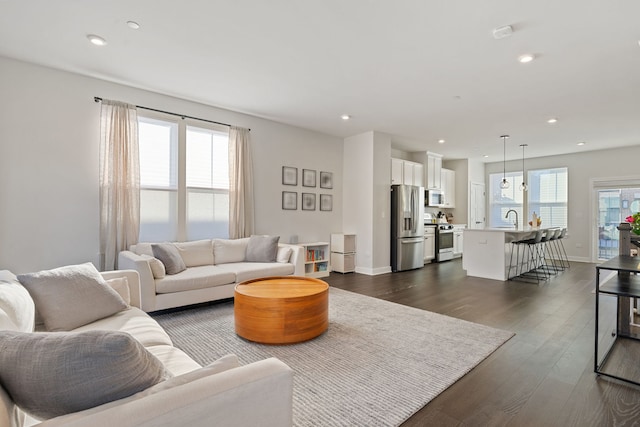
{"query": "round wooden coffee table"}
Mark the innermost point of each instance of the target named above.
(281, 310)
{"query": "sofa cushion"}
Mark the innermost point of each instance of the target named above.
(170, 257)
(142, 249)
(225, 251)
(135, 322)
(262, 249)
(174, 360)
(71, 296)
(52, 374)
(205, 276)
(17, 310)
(255, 270)
(196, 253)
(157, 267)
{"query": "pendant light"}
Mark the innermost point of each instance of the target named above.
(523, 186)
(504, 184)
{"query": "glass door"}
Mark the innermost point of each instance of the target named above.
(614, 205)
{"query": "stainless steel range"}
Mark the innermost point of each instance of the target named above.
(444, 242)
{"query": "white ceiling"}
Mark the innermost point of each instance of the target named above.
(420, 70)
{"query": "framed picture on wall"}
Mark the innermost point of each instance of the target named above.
(289, 200)
(308, 178)
(308, 202)
(289, 175)
(326, 180)
(326, 202)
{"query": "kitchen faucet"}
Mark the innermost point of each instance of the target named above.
(515, 212)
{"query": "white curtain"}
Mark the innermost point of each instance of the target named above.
(119, 181)
(240, 184)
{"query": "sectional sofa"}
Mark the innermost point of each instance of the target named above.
(75, 363)
(210, 269)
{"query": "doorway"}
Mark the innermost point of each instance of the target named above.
(613, 205)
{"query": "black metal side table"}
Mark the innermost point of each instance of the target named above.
(624, 284)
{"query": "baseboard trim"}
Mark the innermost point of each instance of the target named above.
(373, 271)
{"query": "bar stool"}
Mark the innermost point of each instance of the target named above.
(535, 260)
(552, 248)
(560, 243)
(515, 247)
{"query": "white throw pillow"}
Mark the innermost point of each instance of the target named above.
(284, 254)
(72, 296)
(157, 267)
(17, 310)
(226, 251)
(196, 253)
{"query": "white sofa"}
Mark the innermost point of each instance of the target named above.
(257, 394)
(214, 267)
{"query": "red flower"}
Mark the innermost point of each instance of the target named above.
(629, 218)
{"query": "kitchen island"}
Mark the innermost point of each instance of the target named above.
(487, 251)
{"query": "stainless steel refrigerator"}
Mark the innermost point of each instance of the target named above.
(407, 227)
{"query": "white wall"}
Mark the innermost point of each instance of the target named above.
(367, 178)
(582, 167)
(49, 139)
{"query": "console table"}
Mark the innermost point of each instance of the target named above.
(623, 284)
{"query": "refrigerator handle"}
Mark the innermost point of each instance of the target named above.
(414, 201)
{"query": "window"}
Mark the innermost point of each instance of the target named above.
(207, 183)
(547, 196)
(504, 199)
(184, 179)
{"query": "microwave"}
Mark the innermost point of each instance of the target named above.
(433, 198)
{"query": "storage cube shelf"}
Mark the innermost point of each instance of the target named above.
(343, 253)
(316, 263)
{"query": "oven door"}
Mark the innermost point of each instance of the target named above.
(444, 244)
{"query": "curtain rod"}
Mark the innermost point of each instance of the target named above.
(183, 116)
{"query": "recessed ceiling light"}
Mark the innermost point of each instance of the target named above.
(581, 143)
(526, 58)
(133, 25)
(345, 117)
(552, 120)
(485, 156)
(97, 40)
(441, 141)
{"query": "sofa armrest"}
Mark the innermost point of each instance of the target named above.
(297, 258)
(133, 280)
(258, 394)
(128, 260)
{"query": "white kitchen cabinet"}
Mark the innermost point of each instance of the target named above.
(448, 178)
(397, 171)
(458, 242)
(434, 171)
(429, 244)
(406, 172)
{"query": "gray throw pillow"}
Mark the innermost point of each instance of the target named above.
(52, 374)
(72, 296)
(262, 248)
(170, 257)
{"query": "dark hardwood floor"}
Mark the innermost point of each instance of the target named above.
(543, 376)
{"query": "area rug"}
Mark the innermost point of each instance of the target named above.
(377, 364)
